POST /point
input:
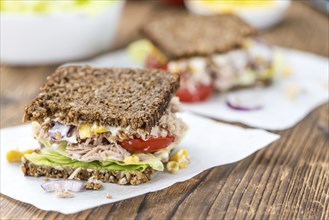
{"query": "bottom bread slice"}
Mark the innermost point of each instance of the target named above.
(120, 177)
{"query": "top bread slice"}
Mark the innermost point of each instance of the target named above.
(185, 35)
(107, 96)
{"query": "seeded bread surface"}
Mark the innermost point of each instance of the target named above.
(185, 35)
(119, 177)
(108, 96)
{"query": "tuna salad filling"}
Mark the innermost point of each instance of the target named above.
(251, 64)
(242, 67)
(107, 147)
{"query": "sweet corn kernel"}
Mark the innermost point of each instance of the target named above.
(85, 131)
(326, 84)
(181, 157)
(183, 164)
(287, 72)
(172, 167)
(131, 159)
(179, 154)
(292, 92)
(28, 151)
(246, 44)
(99, 129)
(260, 58)
(16, 155)
(192, 69)
(183, 161)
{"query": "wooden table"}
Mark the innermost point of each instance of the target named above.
(287, 180)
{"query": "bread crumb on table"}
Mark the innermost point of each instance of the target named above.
(74, 174)
(326, 84)
(109, 196)
(93, 184)
(64, 193)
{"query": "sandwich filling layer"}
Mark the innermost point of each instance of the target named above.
(103, 147)
(246, 66)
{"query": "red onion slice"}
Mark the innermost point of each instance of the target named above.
(56, 185)
(243, 103)
(59, 128)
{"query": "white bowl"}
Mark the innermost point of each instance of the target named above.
(261, 17)
(29, 39)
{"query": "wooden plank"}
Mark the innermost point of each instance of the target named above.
(287, 180)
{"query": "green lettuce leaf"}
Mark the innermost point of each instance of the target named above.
(50, 157)
(55, 159)
(155, 163)
(139, 50)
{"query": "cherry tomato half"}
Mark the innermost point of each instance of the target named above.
(153, 63)
(201, 93)
(153, 144)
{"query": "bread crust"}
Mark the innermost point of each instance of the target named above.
(108, 96)
(185, 35)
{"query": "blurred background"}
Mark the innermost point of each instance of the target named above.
(37, 32)
(39, 35)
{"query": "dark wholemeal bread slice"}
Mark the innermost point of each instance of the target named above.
(108, 96)
(184, 35)
(120, 177)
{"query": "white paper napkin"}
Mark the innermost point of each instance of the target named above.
(310, 75)
(209, 144)
(286, 102)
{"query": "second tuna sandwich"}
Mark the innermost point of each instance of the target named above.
(210, 52)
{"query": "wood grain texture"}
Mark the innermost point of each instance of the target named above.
(287, 180)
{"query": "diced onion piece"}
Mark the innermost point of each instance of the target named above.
(57, 185)
(243, 102)
(163, 155)
(58, 130)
